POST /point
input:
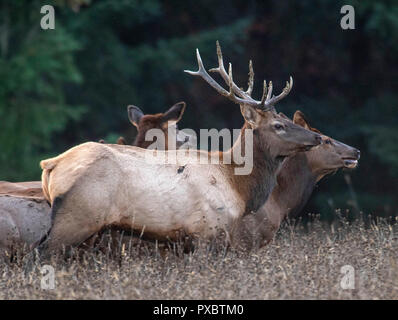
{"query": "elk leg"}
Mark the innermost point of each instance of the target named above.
(68, 227)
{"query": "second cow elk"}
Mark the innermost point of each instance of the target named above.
(95, 185)
(165, 122)
(296, 181)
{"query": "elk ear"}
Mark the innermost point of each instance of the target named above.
(284, 116)
(174, 114)
(251, 115)
(299, 119)
(121, 140)
(135, 114)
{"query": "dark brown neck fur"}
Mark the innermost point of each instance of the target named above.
(255, 187)
(295, 184)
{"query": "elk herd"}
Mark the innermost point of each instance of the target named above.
(97, 185)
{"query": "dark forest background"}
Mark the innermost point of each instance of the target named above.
(62, 87)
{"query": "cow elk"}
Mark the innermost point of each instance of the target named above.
(296, 181)
(95, 185)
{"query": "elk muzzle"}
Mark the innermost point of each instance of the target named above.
(352, 162)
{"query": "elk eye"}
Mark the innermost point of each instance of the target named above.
(278, 126)
(328, 141)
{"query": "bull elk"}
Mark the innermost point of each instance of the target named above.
(95, 185)
(296, 181)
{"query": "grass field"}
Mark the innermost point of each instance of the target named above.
(301, 263)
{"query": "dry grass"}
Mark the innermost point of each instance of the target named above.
(297, 265)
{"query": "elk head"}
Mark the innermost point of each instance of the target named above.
(167, 122)
(331, 154)
(272, 132)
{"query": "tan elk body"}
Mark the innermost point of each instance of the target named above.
(94, 185)
(25, 213)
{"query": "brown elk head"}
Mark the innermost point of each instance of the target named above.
(163, 121)
(272, 132)
(331, 154)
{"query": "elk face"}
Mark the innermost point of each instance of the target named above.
(167, 122)
(278, 134)
(331, 154)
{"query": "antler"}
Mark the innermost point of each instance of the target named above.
(235, 93)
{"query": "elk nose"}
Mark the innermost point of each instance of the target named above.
(358, 153)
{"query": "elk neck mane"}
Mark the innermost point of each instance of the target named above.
(295, 183)
(255, 187)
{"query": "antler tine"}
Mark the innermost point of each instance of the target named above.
(220, 61)
(200, 65)
(220, 69)
(284, 93)
(235, 93)
(264, 93)
(270, 88)
(251, 79)
(205, 76)
(223, 73)
(230, 80)
(231, 84)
